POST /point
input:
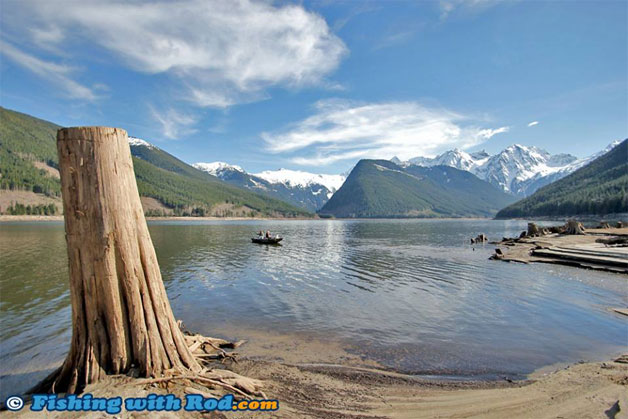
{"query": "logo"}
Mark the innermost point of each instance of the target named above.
(14, 403)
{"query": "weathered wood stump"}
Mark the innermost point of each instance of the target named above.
(573, 227)
(121, 317)
(533, 230)
(557, 229)
(481, 238)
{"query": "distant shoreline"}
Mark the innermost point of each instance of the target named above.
(9, 218)
(19, 218)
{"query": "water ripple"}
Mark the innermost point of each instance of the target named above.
(412, 294)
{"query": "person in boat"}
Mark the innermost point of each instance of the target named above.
(260, 234)
(268, 234)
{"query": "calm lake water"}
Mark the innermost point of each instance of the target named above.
(410, 294)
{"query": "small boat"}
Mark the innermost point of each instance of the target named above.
(264, 240)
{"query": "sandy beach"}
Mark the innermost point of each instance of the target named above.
(314, 378)
(585, 390)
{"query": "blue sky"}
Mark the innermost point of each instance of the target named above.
(317, 85)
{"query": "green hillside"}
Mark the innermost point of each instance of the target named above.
(23, 141)
(158, 157)
(26, 141)
(176, 184)
(598, 188)
(380, 188)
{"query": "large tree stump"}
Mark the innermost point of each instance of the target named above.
(121, 317)
(533, 230)
(574, 227)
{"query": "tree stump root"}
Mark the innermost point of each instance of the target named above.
(209, 353)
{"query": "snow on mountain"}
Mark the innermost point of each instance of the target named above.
(519, 170)
(560, 160)
(139, 142)
(297, 178)
(217, 168)
(307, 190)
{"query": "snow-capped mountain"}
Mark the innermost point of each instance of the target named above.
(306, 190)
(518, 170)
(299, 179)
(133, 141)
(217, 167)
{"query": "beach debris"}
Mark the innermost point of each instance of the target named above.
(573, 227)
(616, 241)
(623, 311)
(209, 352)
(498, 254)
(557, 229)
(481, 238)
(622, 359)
(533, 230)
(553, 245)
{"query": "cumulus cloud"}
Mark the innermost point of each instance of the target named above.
(173, 124)
(533, 123)
(222, 52)
(346, 130)
(58, 74)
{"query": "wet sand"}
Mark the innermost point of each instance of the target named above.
(315, 378)
(588, 390)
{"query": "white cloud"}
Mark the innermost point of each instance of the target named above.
(344, 130)
(394, 39)
(223, 52)
(533, 123)
(58, 74)
(47, 37)
(174, 125)
(447, 7)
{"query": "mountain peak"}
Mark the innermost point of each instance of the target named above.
(134, 141)
(518, 169)
(216, 167)
(301, 179)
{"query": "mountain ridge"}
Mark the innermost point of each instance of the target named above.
(28, 160)
(383, 189)
(519, 170)
(597, 188)
(306, 190)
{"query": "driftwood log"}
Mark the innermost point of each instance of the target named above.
(121, 318)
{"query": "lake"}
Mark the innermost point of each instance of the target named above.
(412, 295)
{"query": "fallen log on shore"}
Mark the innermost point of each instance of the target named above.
(599, 249)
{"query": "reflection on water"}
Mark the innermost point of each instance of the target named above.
(411, 294)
